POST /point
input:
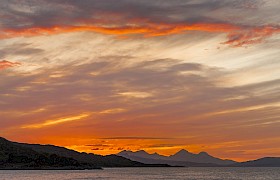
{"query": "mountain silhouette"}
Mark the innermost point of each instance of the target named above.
(181, 158)
(15, 155)
(159, 159)
(202, 157)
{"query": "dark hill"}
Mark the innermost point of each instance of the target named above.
(13, 156)
(98, 160)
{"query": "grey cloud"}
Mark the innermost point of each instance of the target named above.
(19, 49)
(43, 13)
(176, 99)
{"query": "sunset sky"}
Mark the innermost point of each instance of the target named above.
(103, 76)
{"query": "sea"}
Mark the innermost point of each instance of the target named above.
(176, 173)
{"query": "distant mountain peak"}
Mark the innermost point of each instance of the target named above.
(124, 151)
(182, 151)
(141, 152)
(203, 153)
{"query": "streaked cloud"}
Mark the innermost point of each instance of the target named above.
(135, 94)
(112, 111)
(4, 64)
(55, 122)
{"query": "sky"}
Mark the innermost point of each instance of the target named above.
(158, 75)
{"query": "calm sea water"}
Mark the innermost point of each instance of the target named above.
(146, 174)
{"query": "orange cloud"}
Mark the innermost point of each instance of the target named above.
(237, 35)
(7, 64)
(250, 36)
(148, 30)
